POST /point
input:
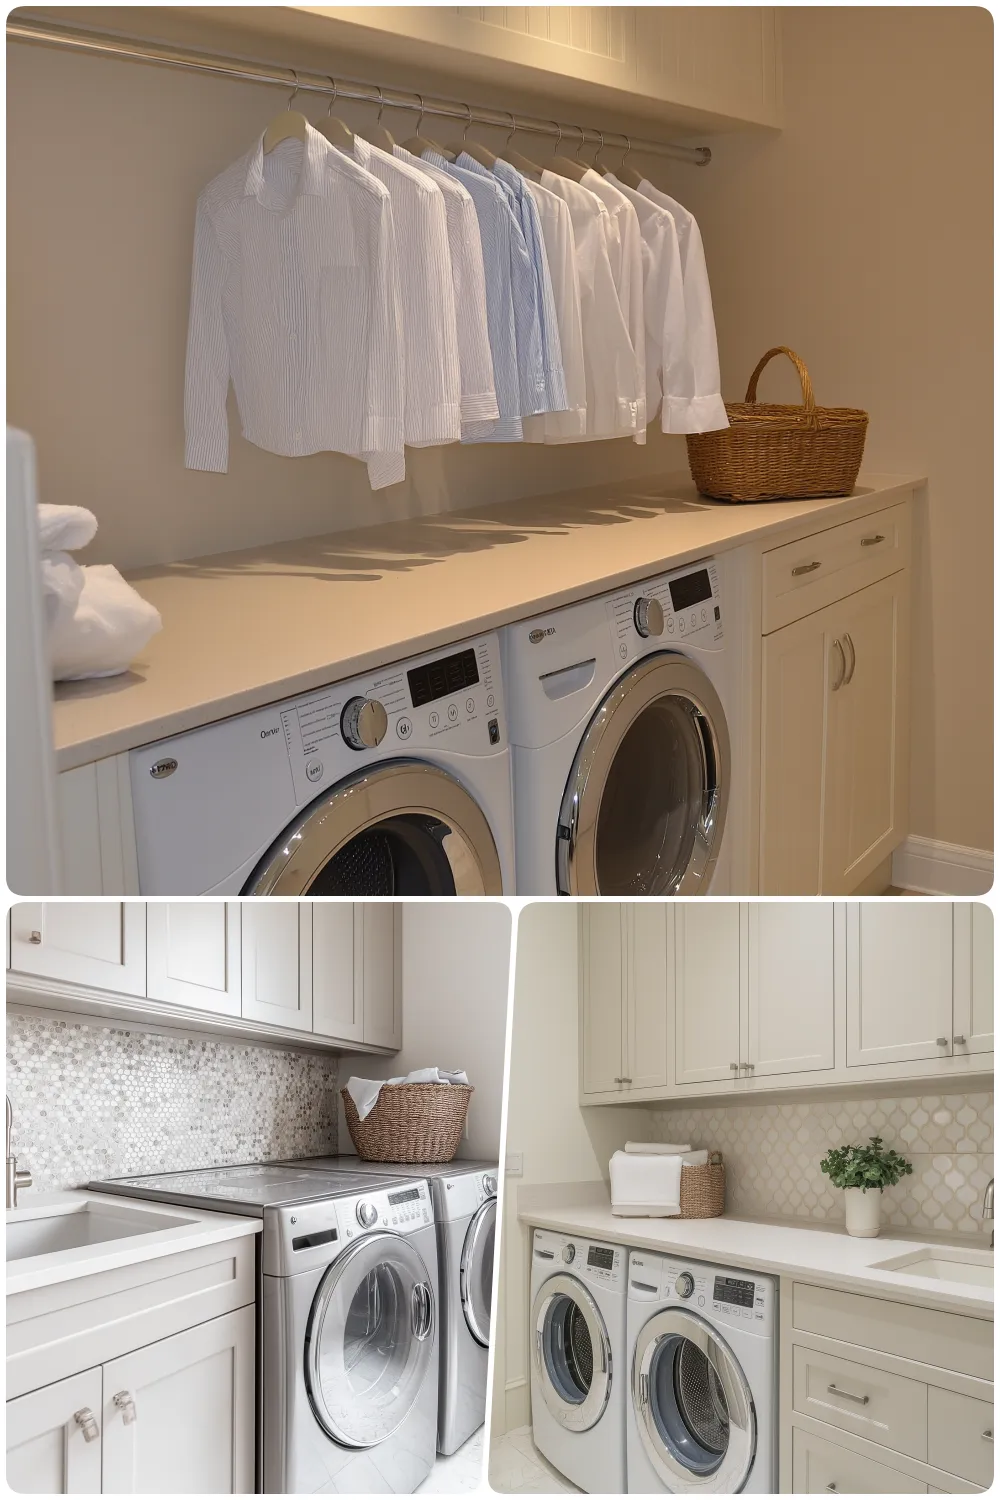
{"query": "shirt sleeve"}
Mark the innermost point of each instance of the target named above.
(552, 356)
(479, 397)
(206, 375)
(632, 307)
(527, 327)
(706, 410)
(382, 447)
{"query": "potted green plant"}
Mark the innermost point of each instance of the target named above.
(863, 1171)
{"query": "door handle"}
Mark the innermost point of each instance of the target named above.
(35, 937)
(833, 1390)
(941, 1041)
(125, 1404)
(838, 646)
(959, 1041)
(87, 1423)
(805, 568)
(872, 541)
(734, 1067)
(854, 659)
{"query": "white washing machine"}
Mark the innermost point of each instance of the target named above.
(626, 721)
(579, 1371)
(393, 784)
(702, 1410)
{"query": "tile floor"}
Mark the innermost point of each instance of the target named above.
(461, 1474)
(517, 1468)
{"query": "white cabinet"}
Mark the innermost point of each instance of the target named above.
(623, 1041)
(791, 978)
(646, 1012)
(193, 954)
(973, 1032)
(54, 1438)
(95, 943)
(900, 963)
(179, 1414)
(377, 960)
(338, 999)
(277, 963)
(708, 971)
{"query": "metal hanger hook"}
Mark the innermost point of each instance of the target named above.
(381, 107)
(583, 140)
(291, 97)
(558, 133)
(420, 117)
(468, 122)
(628, 150)
(333, 96)
(513, 129)
(600, 148)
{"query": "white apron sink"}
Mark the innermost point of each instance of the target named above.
(937, 1263)
(74, 1226)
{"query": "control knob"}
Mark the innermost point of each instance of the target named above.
(569, 1254)
(367, 1215)
(684, 1285)
(489, 1184)
(363, 723)
(648, 616)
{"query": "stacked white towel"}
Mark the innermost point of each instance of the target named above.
(96, 621)
(646, 1179)
(365, 1091)
(655, 1148)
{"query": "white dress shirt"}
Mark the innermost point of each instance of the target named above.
(426, 297)
(560, 251)
(479, 397)
(625, 255)
(706, 409)
(294, 298)
(608, 356)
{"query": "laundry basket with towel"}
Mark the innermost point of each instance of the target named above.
(657, 1181)
(419, 1118)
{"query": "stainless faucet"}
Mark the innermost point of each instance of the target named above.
(17, 1177)
(988, 1206)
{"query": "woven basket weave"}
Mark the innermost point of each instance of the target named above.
(703, 1189)
(772, 452)
(411, 1122)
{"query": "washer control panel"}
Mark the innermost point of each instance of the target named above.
(658, 613)
(401, 1209)
(591, 1260)
(717, 1292)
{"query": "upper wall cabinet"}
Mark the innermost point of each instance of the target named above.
(708, 988)
(277, 963)
(623, 1033)
(193, 954)
(900, 981)
(96, 943)
(791, 984)
(356, 950)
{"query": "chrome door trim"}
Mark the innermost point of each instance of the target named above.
(478, 1319)
(383, 1244)
(737, 1462)
(661, 674)
(573, 1416)
(393, 788)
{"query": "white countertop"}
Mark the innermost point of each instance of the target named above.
(820, 1254)
(192, 1228)
(244, 629)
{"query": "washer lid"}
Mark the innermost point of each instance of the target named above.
(693, 1406)
(476, 1273)
(644, 808)
(571, 1352)
(402, 828)
(369, 1342)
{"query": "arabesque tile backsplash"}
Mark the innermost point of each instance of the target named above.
(93, 1101)
(773, 1151)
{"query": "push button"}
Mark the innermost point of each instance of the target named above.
(314, 770)
(494, 729)
(404, 728)
(452, 713)
(470, 705)
(435, 718)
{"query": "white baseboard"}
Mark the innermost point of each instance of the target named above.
(940, 869)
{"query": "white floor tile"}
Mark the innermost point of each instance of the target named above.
(517, 1467)
(459, 1474)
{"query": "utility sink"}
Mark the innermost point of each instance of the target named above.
(76, 1225)
(940, 1263)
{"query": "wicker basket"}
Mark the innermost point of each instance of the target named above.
(411, 1122)
(703, 1189)
(780, 452)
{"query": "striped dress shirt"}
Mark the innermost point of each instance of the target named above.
(560, 253)
(625, 254)
(294, 298)
(548, 322)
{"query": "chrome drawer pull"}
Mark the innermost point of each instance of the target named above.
(942, 1041)
(805, 568)
(848, 1395)
(848, 676)
(838, 645)
(734, 1067)
(84, 1419)
(124, 1403)
(35, 937)
(959, 1041)
(988, 1435)
(872, 541)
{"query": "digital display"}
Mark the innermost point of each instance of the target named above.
(405, 1195)
(728, 1289)
(601, 1260)
(437, 679)
(689, 590)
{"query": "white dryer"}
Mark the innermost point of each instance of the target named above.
(393, 784)
(626, 721)
(702, 1409)
(578, 1362)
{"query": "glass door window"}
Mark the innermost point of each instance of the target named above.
(477, 1271)
(572, 1353)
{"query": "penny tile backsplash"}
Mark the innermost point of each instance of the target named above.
(773, 1151)
(96, 1101)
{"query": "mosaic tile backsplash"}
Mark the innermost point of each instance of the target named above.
(773, 1151)
(95, 1101)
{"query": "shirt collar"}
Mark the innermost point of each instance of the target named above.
(312, 170)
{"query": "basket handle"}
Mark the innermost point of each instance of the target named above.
(808, 399)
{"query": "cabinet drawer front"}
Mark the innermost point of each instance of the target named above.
(885, 1409)
(807, 575)
(950, 1340)
(819, 1467)
(960, 1435)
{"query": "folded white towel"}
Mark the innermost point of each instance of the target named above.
(64, 528)
(645, 1186)
(694, 1159)
(62, 585)
(365, 1091)
(108, 628)
(654, 1148)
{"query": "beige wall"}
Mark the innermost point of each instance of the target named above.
(862, 237)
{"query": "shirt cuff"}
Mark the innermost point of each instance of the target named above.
(206, 451)
(693, 414)
(481, 408)
(386, 468)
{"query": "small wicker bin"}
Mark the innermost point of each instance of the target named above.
(411, 1122)
(773, 452)
(703, 1189)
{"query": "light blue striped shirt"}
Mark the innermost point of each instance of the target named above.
(531, 228)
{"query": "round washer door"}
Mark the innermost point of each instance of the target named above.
(368, 1344)
(645, 805)
(693, 1407)
(477, 1271)
(572, 1353)
(402, 828)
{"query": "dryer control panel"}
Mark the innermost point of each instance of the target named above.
(298, 1237)
(657, 613)
(588, 1259)
(741, 1297)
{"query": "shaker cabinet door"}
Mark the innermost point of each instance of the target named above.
(97, 943)
(54, 1438)
(900, 966)
(646, 1006)
(602, 956)
(277, 963)
(792, 955)
(193, 954)
(707, 991)
(336, 986)
(378, 946)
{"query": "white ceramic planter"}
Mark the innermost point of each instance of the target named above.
(864, 1211)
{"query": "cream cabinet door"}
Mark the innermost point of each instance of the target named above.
(179, 1414)
(794, 677)
(646, 1003)
(338, 997)
(707, 974)
(97, 943)
(791, 979)
(54, 1438)
(973, 1017)
(378, 945)
(277, 963)
(602, 961)
(193, 954)
(900, 959)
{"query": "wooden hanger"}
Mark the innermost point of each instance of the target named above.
(288, 126)
(418, 144)
(625, 174)
(380, 137)
(524, 166)
(565, 166)
(334, 129)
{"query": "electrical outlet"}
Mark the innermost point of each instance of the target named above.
(514, 1164)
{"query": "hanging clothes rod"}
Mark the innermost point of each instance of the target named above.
(135, 49)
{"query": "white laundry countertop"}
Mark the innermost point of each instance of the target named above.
(822, 1255)
(244, 629)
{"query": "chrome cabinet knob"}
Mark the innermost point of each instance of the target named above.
(648, 617)
(942, 1041)
(569, 1254)
(684, 1285)
(959, 1041)
(367, 1215)
(734, 1067)
(364, 723)
(123, 1402)
(35, 937)
(87, 1423)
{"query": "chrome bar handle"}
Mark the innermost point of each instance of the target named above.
(854, 659)
(124, 1403)
(838, 646)
(833, 1390)
(805, 568)
(87, 1423)
(872, 541)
